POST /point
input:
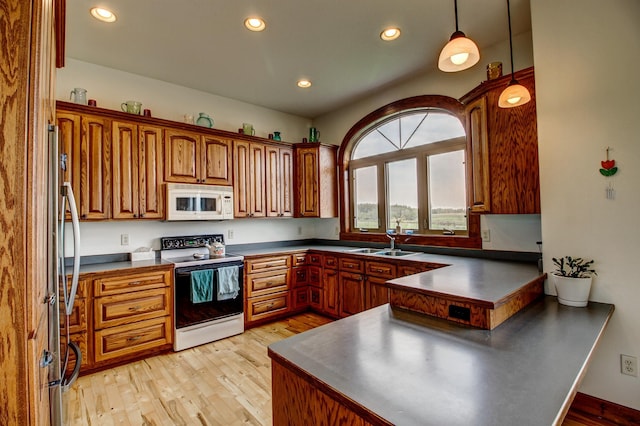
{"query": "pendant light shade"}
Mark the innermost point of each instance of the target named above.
(515, 93)
(460, 52)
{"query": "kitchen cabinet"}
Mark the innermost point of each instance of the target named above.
(299, 274)
(279, 181)
(137, 171)
(195, 158)
(249, 179)
(132, 314)
(316, 180)
(502, 150)
(331, 292)
(78, 325)
(267, 288)
(351, 293)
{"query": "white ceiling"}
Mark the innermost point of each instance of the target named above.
(202, 44)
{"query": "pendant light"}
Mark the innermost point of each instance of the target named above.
(460, 52)
(515, 94)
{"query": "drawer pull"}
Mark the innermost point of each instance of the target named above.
(134, 283)
(135, 308)
(134, 338)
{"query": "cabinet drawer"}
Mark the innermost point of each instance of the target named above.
(381, 269)
(78, 318)
(267, 282)
(299, 277)
(267, 263)
(314, 259)
(266, 306)
(121, 309)
(82, 291)
(313, 274)
(352, 265)
(301, 298)
(404, 270)
(127, 283)
(299, 259)
(331, 262)
(130, 339)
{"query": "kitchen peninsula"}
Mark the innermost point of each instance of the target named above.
(388, 366)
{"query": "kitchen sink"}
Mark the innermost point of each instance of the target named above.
(395, 253)
(365, 250)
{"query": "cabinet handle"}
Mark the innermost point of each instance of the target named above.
(135, 308)
(134, 283)
(135, 215)
(134, 338)
(141, 214)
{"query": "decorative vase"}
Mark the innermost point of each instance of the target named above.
(572, 291)
(276, 136)
(204, 120)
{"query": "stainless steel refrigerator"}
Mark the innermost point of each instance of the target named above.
(62, 291)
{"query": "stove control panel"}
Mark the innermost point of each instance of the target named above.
(194, 241)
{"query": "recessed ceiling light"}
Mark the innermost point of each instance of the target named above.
(103, 15)
(304, 83)
(390, 34)
(255, 24)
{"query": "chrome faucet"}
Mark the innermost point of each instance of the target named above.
(393, 242)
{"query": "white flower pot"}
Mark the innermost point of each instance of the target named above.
(572, 291)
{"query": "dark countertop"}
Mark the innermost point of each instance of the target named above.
(412, 369)
(119, 266)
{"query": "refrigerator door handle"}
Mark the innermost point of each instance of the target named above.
(75, 222)
(68, 381)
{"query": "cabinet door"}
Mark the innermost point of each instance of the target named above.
(377, 292)
(478, 157)
(216, 160)
(95, 163)
(307, 182)
(150, 171)
(181, 156)
(286, 182)
(257, 180)
(248, 179)
(273, 182)
(330, 287)
(125, 170)
(351, 293)
(69, 144)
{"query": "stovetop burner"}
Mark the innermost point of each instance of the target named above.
(191, 250)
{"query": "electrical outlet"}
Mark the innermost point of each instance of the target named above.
(337, 230)
(124, 239)
(629, 365)
(299, 230)
(486, 235)
(230, 234)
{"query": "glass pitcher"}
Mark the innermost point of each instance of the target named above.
(79, 96)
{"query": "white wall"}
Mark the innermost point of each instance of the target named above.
(104, 237)
(110, 87)
(587, 85)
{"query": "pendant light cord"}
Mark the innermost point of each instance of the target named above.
(455, 8)
(510, 41)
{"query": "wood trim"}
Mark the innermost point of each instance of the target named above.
(586, 407)
(60, 12)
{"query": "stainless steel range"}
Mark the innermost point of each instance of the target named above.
(208, 299)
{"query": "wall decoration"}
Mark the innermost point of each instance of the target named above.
(608, 166)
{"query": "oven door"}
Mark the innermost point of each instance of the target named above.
(188, 313)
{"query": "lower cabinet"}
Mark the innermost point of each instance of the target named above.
(267, 288)
(121, 316)
(351, 293)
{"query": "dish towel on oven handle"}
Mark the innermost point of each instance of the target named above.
(201, 286)
(228, 282)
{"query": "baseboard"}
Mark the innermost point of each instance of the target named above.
(599, 409)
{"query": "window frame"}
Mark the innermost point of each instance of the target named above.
(393, 110)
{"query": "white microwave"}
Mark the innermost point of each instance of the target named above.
(199, 202)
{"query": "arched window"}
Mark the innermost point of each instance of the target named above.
(406, 168)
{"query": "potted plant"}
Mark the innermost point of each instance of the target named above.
(572, 279)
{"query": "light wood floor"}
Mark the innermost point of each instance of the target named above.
(227, 382)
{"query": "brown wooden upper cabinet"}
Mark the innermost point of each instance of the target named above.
(249, 179)
(137, 171)
(86, 140)
(316, 180)
(502, 150)
(279, 181)
(194, 158)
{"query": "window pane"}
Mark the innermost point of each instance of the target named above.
(373, 143)
(438, 126)
(447, 191)
(402, 194)
(366, 197)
